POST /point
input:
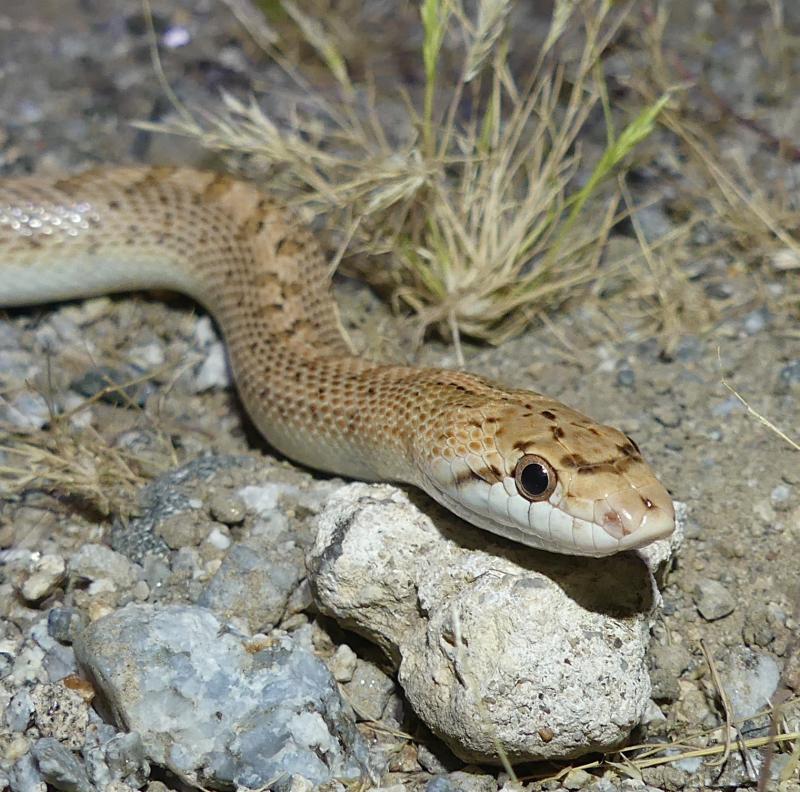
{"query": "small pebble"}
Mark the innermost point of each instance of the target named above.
(299, 784)
(728, 407)
(176, 37)
(214, 371)
(780, 496)
(61, 713)
(668, 415)
(218, 539)
(27, 411)
(47, 574)
(19, 712)
(626, 378)
(577, 779)
(713, 600)
(405, 760)
(228, 509)
(63, 624)
(368, 690)
(97, 562)
(750, 679)
(204, 332)
(16, 747)
(460, 781)
(184, 529)
(59, 766)
(757, 629)
(756, 321)
(117, 386)
(790, 374)
(141, 591)
(668, 662)
(343, 663)
(301, 599)
(148, 356)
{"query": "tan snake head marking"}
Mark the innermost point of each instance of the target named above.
(533, 470)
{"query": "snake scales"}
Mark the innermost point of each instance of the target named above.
(510, 461)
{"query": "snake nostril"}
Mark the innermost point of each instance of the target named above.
(612, 523)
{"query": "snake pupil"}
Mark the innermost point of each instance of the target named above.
(535, 478)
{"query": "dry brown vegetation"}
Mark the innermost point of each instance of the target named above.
(481, 208)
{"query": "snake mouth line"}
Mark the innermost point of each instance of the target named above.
(645, 535)
(505, 529)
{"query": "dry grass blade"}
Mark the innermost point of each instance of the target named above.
(491, 23)
(635, 758)
(726, 704)
(755, 219)
(465, 207)
(757, 415)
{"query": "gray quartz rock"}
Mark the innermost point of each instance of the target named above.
(59, 767)
(216, 707)
(24, 776)
(254, 583)
(113, 756)
(19, 711)
(496, 644)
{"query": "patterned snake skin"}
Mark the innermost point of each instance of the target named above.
(512, 462)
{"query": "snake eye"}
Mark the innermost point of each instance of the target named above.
(535, 478)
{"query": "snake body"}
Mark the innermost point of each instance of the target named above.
(510, 461)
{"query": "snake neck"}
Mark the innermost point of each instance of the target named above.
(261, 275)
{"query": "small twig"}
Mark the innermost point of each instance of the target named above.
(726, 704)
(771, 426)
(158, 68)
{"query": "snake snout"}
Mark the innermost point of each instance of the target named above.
(636, 517)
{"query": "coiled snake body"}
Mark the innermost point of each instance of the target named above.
(513, 462)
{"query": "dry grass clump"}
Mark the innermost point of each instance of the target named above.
(76, 462)
(80, 466)
(478, 207)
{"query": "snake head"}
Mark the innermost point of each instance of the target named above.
(535, 471)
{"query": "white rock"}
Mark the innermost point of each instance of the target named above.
(495, 643)
(47, 573)
(343, 663)
(264, 498)
(300, 784)
(219, 540)
(26, 411)
(214, 371)
(204, 331)
(750, 681)
(147, 356)
(96, 562)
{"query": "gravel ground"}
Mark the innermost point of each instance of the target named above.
(74, 73)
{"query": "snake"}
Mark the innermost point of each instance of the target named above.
(512, 462)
